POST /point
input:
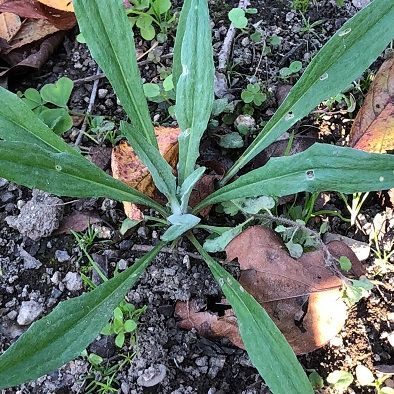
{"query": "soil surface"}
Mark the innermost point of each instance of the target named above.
(39, 268)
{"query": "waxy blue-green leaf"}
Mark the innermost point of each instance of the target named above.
(320, 168)
(187, 187)
(180, 224)
(63, 334)
(180, 32)
(64, 174)
(342, 60)
(19, 123)
(110, 39)
(266, 346)
(194, 90)
(160, 170)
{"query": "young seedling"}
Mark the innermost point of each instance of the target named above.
(294, 68)
(51, 95)
(340, 380)
(32, 155)
(145, 14)
(253, 94)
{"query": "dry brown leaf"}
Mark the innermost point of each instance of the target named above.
(127, 167)
(373, 128)
(24, 59)
(202, 189)
(62, 5)
(77, 221)
(301, 296)
(9, 25)
(31, 31)
(33, 9)
(207, 323)
(287, 287)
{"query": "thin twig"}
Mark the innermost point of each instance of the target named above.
(89, 110)
(224, 53)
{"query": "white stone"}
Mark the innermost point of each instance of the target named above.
(73, 281)
(102, 93)
(28, 312)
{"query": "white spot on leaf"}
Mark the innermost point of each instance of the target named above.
(323, 77)
(344, 32)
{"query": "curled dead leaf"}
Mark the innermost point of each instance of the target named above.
(373, 128)
(31, 31)
(22, 60)
(61, 19)
(207, 323)
(127, 167)
(301, 296)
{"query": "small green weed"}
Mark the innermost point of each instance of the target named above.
(294, 68)
(50, 104)
(101, 130)
(146, 14)
(340, 380)
(238, 17)
(253, 95)
(124, 322)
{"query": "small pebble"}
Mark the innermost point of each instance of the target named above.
(6, 197)
(29, 262)
(62, 256)
(152, 376)
(73, 281)
(28, 312)
(55, 278)
(122, 264)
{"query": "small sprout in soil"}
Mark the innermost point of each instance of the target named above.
(357, 289)
(316, 380)
(124, 322)
(50, 104)
(253, 95)
(340, 380)
(294, 68)
(146, 14)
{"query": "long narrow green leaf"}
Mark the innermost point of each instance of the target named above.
(19, 123)
(266, 346)
(180, 32)
(160, 170)
(320, 168)
(342, 59)
(63, 174)
(194, 92)
(108, 34)
(68, 329)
